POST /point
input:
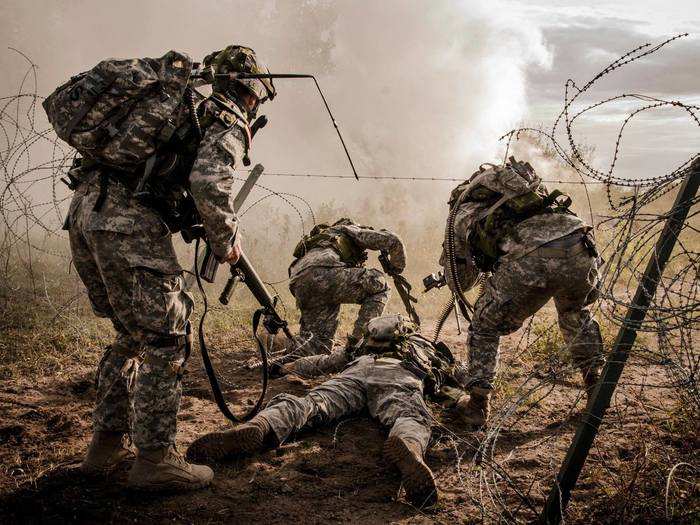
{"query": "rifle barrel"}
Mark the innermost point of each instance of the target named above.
(254, 283)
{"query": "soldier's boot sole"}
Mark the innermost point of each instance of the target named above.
(245, 439)
(158, 479)
(417, 478)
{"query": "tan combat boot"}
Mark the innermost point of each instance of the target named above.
(105, 453)
(247, 438)
(416, 476)
(474, 409)
(166, 470)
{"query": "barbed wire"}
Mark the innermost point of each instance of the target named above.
(666, 358)
(402, 178)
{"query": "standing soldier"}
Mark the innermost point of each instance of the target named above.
(120, 223)
(504, 221)
(328, 270)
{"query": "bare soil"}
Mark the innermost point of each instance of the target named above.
(337, 474)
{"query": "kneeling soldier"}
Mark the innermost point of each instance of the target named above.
(328, 270)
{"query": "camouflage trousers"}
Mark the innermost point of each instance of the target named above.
(320, 291)
(519, 288)
(124, 255)
(392, 394)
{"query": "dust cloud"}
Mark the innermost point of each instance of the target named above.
(419, 89)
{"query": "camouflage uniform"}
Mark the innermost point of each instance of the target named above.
(321, 282)
(395, 372)
(548, 255)
(124, 255)
(390, 392)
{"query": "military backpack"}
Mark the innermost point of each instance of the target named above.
(119, 112)
(397, 337)
(504, 210)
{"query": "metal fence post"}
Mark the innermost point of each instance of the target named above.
(603, 391)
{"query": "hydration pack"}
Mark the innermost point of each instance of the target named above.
(119, 112)
(397, 337)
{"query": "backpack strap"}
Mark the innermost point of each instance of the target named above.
(229, 114)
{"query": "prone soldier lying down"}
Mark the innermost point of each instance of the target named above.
(389, 371)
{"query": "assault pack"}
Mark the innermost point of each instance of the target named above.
(327, 236)
(120, 112)
(142, 120)
(504, 205)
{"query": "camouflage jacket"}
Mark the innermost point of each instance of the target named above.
(416, 353)
(365, 238)
(205, 169)
(525, 237)
(212, 179)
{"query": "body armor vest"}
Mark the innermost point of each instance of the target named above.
(324, 236)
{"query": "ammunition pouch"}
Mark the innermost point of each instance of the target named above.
(526, 203)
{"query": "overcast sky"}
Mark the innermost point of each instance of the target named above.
(420, 88)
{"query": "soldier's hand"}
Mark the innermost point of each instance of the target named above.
(235, 252)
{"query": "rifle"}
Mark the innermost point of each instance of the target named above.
(242, 271)
(403, 287)
(210, 265)
(437, 280)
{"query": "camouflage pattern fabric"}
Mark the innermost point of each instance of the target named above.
(319, 292)
(211, 182)
(321, 364)
(113, 114)
(365, 238)
(320, 282)
(517, 290)
(526, 237)
(125, 257)
(526, 276)
(392, 395)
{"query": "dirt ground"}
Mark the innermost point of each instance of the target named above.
(337, 474)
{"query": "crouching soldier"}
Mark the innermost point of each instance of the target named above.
(503, 221)
(390, 371)
(328, 270)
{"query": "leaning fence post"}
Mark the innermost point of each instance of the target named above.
(602, 393)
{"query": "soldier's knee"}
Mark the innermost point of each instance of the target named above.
(495, 318)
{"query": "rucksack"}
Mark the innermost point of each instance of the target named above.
(119, 112)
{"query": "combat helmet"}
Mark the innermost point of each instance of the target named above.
(240, 59)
